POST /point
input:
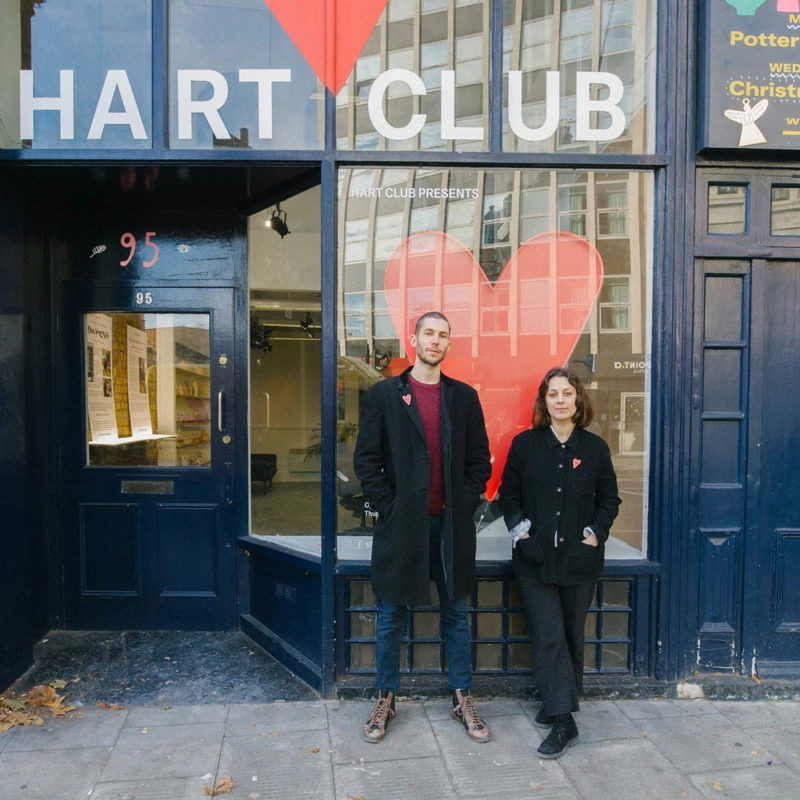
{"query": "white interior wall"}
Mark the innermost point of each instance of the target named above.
(288, 421)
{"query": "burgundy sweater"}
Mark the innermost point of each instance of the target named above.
(428, 396)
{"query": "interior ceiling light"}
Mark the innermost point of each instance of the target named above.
(278, 222)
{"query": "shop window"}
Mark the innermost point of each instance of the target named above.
(727, 208)
(444, 239)
(105, 51)
(148, 397)
(423, 43)
(285, 368)
(566, 44)
(785, 211)
(220, 93)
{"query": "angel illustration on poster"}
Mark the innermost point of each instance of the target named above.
(751, 134)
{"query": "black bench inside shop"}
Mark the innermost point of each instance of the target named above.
(263, 467)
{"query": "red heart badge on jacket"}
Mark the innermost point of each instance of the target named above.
(576, 462)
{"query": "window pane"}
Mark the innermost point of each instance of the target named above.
(424, 46)
(562, 46)
(214, 105)
(785, 211)
(566, 299)
(148, 392)
(285, 368)
(108, 49)
(727, 208)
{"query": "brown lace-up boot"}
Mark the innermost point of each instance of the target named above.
(382, 714)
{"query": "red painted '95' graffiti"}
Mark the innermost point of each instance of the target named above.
(128, 241)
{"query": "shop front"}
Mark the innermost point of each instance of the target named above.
(220, 222)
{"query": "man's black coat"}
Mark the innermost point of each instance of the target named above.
(391, 461)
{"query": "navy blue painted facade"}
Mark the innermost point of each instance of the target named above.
(715, 593)
(21, 618)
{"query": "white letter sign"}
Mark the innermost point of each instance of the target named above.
(103, 115)
(585, 105)
(208, 108)
(63, 103)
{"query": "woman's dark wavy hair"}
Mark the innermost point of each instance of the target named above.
(584, 413)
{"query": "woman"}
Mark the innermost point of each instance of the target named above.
(559, 497)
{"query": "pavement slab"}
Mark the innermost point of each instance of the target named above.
(507, 765)
(703, 742)
(165, 751)
(269, 718)
(153, 789)
(654, 709)
(154, 716)
(89, 728)
(776, 782)
(294, 765)
(408, 735)
(629, 769)
(407, 779)
(57, 775)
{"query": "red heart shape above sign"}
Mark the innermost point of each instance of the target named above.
(506, 335)
(329, 33)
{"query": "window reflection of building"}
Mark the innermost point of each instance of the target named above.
(785, 211)
(492, 213)
(727, 208)
(426, 38)
(571, 36)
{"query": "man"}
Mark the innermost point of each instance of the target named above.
(422, 457)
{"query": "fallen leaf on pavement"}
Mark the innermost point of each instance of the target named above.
(224, 786)
(717, 785)
(16, 711)
(109, 706)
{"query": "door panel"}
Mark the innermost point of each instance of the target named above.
(772, 601)
(149, 433)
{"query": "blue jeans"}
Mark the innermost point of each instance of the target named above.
(453, 628)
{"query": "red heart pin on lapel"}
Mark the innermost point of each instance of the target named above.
(407, 399)
(504, 336)
(576, 462)
(329, 33)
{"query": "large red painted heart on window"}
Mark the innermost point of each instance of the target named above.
(329, 33)
(506, 335)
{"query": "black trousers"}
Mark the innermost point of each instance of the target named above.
(556, 616)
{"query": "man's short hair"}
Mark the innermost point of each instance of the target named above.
(428, 315)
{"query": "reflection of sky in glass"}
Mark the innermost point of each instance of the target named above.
(91, 37)
(228, 35)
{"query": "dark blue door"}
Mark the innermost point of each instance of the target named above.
(146, 416)
(771, 632)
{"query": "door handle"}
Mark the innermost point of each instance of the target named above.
(221, 411)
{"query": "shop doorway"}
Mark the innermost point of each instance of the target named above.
(148, 511)
(772, 594)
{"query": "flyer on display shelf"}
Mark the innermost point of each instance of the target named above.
(138, 402)
(99, 378)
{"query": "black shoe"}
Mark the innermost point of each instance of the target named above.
(563, 735)
(541, 720)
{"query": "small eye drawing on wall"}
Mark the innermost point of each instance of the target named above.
(750, 134)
